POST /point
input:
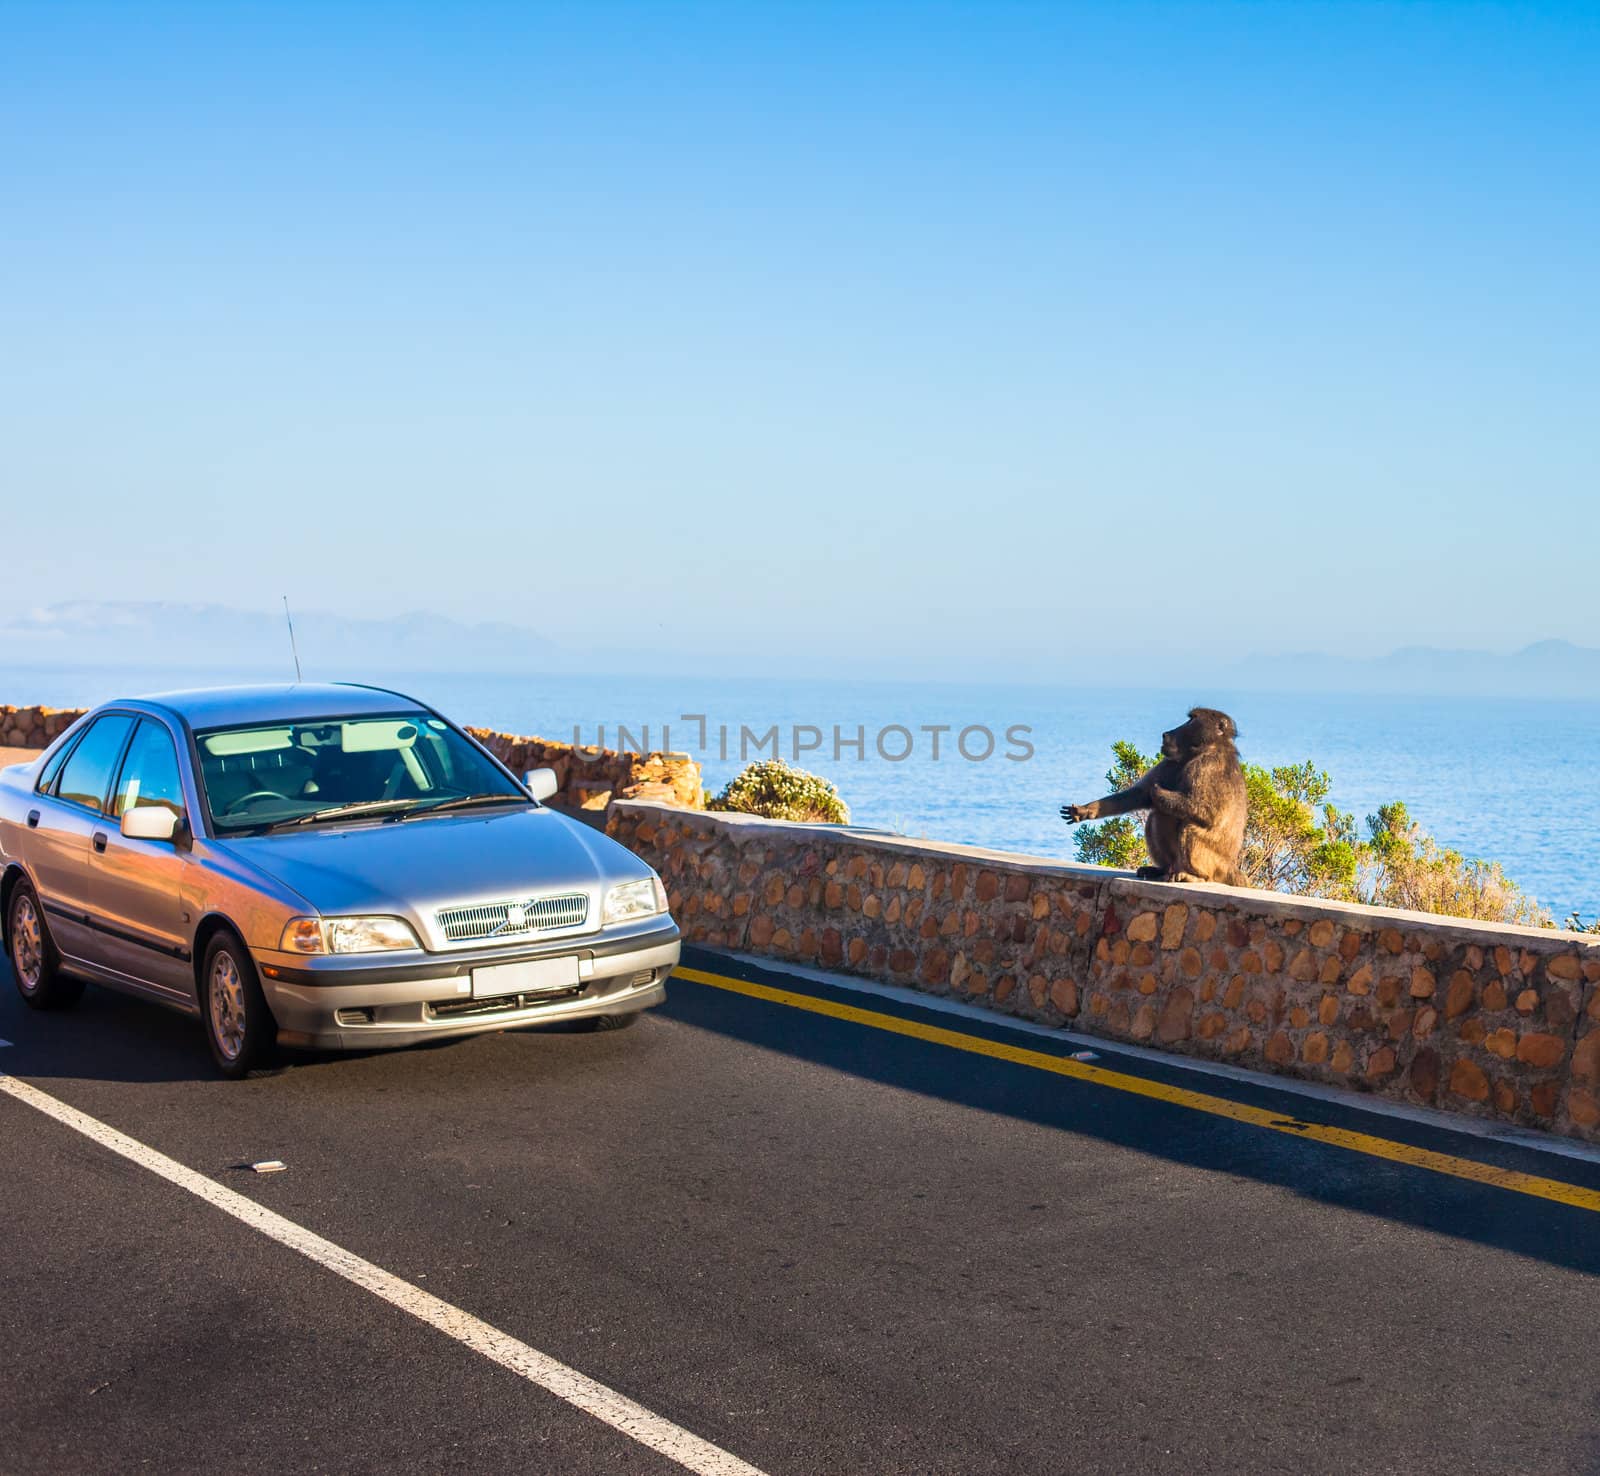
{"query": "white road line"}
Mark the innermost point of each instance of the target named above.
(578, 1390)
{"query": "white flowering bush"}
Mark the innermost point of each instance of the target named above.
(778, 791)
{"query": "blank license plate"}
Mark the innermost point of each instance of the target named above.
(532, 976)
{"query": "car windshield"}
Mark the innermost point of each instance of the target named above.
(323, 770)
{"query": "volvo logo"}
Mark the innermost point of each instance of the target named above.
(516, 916)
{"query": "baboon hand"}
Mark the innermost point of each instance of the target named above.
(1076, 814)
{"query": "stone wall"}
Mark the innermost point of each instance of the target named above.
(590, 778)
(35, 727)
(1492, 1021)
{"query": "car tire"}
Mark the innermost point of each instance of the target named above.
(239, 1027)
(35, 964)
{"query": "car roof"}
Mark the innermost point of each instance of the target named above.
(224, 707)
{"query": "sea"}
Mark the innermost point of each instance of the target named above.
(1512, 780)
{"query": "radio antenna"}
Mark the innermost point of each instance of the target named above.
(289, 620)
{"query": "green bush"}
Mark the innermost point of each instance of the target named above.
(1295, 841)
(777, 791)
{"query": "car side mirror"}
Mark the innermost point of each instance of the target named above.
(541, 783)
(150, 822)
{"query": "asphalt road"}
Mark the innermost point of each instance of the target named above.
(823, 1246)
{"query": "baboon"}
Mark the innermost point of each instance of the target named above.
(1197, 803)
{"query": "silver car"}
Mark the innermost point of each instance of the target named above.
(326, 866)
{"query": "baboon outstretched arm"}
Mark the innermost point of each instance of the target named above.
(1179, 806)
(1135, 797)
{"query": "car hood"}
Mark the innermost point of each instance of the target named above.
(409, 868)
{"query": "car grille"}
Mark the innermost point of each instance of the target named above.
(513, 919)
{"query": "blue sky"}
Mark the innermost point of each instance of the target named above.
(970, 339)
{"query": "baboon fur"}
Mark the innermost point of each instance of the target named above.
(1196, 799)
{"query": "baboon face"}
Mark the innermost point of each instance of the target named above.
(1205, 726)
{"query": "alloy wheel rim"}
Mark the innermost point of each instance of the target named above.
(27, 944)
(227, 1006)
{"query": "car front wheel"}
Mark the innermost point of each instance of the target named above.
(239, 1027)
(35, 964)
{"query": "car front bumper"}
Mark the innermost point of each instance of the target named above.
(358, 1002)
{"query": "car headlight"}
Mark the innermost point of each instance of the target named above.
(642, 898)
(347, 935)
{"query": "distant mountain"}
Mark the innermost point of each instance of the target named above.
(94, 633)
(1544, 669)
(217, 638)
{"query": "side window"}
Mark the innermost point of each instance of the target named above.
(149, 773)
(86, 775)
(48, 778)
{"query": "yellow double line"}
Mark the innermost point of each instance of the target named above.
(1274, 1122)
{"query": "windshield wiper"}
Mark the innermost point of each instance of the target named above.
(355, 807)
(460, 802)
(397, 809)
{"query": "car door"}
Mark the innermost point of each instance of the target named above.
(136, 886)
(70, 809)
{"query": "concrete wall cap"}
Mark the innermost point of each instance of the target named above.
(1286, 905)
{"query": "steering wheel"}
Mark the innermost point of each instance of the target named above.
(254, 795)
